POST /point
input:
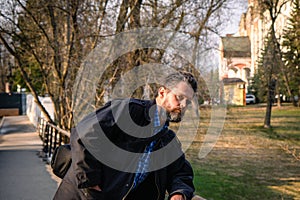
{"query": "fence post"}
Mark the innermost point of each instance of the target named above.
(55, 138)
(50, 141)
(46, 139)
(42, 128)
(51, 136)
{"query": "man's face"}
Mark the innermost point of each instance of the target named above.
(175, 100)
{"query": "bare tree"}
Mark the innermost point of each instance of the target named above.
(48, 34)
(56, 36)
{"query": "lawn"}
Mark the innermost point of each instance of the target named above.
(248, 161)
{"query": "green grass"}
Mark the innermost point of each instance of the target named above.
(218, 185)
(249, 161)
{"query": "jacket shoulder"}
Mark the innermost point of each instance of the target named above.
(132, 101)
(140, 102)
(139, 110)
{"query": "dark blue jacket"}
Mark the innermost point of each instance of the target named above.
(95, 162)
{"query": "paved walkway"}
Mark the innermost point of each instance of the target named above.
(23, 175)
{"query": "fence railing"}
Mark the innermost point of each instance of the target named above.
(52, 137)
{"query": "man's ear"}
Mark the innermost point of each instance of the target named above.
(161, 91)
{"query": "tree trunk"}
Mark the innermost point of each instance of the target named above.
(270, 98)
(267, 123)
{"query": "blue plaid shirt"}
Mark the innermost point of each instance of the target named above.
(142, 170)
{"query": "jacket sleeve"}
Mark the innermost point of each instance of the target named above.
(87, 169)
(84, 140)
(86, 144)
(181, 175)
(88, 139)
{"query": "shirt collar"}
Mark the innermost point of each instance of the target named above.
(156, 122)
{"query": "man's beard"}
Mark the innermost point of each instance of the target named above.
(174, 116)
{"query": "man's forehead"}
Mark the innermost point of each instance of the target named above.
(183, 88)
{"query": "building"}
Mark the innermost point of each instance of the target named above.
(235, 68)
(239, 52)
(233, 92)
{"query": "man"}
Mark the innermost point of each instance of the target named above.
(139, 127)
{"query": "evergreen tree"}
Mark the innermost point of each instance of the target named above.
(34, 75)
(291, 52)
(267, 73)
(270, 63)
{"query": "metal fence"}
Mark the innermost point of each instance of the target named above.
(52, 137)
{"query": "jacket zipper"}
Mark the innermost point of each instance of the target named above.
(155, 173)
(158, 192)
(128, 191)
(154, 178)
(131, 184)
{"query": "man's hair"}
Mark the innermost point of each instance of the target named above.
(174, 78)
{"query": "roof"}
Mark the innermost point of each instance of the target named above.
(236, 46)
(232, 80)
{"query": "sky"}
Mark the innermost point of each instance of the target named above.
(238, 8)
(230, 26)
